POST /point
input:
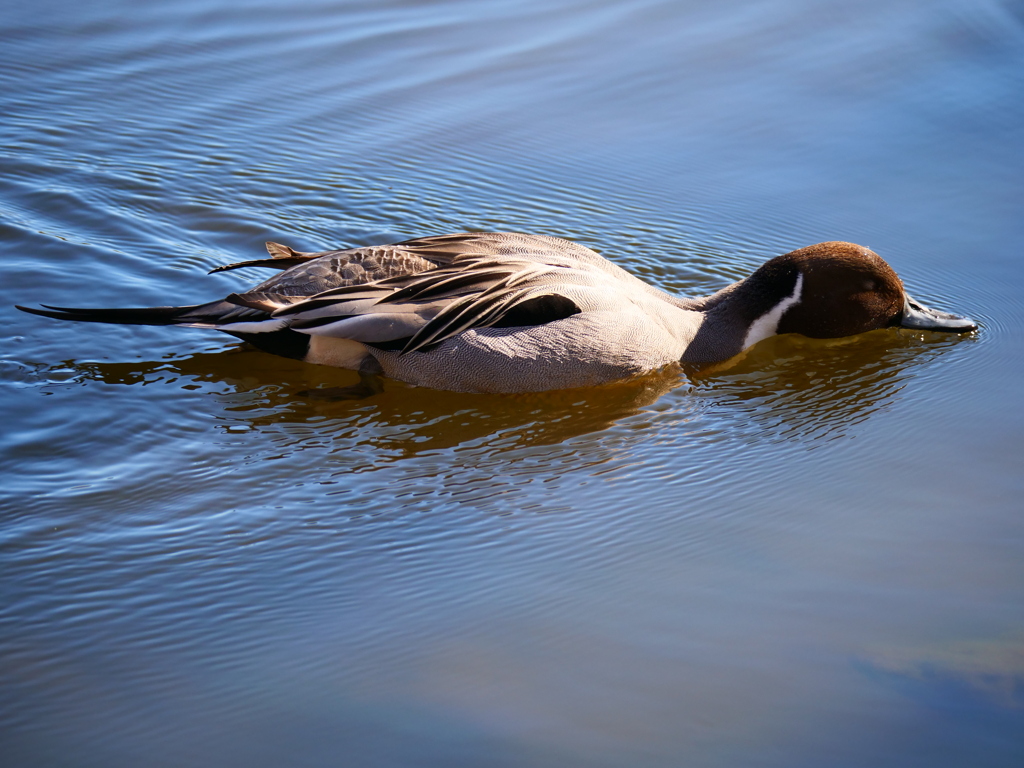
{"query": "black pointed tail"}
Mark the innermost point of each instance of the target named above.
(140, 316)
(214, 314)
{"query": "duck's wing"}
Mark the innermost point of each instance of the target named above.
(371, 261)
(307, 274)
(415, 312)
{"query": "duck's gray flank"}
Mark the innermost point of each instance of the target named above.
(510, 312)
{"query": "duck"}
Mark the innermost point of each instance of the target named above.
(505, 312)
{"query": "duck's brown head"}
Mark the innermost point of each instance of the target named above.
(836, 289)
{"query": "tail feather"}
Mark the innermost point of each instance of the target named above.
(139, 316)
(281, 257)
(212, 315)
(281, 263)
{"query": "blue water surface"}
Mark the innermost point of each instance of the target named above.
(812, 558)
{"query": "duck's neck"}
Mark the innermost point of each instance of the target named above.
(733, 318)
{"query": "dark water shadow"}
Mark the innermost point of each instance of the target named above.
(973, 689)
(989, 669)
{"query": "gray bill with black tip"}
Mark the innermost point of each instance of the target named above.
(917, 315)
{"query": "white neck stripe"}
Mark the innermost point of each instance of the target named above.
(768, 323)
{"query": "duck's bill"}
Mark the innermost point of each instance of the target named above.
(917, 315)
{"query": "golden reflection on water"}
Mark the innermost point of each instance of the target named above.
(263, 391)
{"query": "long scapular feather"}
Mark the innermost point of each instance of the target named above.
(445, 324)
(431, 286)
(331, 299)
(480, 311)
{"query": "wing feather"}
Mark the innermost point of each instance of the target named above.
(430, 307)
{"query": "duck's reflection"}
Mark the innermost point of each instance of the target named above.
(787, 388)
(261, 392)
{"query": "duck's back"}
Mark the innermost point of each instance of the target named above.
(356, 266)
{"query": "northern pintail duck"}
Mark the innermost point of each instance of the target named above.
(507, 312)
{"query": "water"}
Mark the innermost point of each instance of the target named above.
(811, 558)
